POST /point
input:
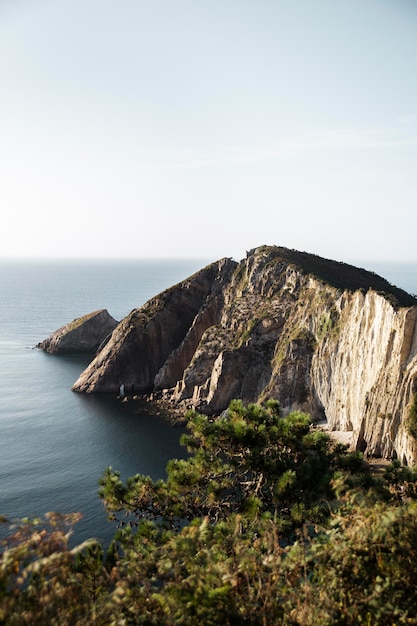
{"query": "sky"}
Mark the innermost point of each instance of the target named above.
(192, 128)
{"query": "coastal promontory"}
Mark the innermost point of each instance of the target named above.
(321, 336)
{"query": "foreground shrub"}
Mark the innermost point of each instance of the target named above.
(362, 569)
(267, 522)
(250, 461)
(39, 583)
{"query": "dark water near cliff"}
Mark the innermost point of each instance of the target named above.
(55, 444)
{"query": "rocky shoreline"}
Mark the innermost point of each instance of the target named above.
(324, 337)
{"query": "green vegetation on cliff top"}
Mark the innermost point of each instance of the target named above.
(338, 274)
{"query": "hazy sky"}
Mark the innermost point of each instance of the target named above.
(204, 128)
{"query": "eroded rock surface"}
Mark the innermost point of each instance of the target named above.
(320, 336)
(84, 334)
(160, 338)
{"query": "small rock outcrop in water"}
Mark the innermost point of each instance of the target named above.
(320, 336)
(84, 334)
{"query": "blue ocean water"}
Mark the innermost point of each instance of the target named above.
(55, 444)
(402, 275)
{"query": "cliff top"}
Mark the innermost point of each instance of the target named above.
(338, 274)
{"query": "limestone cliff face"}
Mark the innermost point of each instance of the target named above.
(364, 374)
(320, 336)
(84, 334)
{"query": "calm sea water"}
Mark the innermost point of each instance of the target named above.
(55, 444)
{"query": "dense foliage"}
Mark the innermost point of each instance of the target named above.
(341, 275)
(267, 522)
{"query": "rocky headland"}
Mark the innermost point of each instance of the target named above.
(324, 337)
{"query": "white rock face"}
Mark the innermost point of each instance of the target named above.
(364, 376)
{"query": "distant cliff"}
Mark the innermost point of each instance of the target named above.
(321, 336)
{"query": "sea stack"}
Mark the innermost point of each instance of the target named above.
(84, 334)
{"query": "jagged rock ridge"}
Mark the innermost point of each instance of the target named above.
(336, 341)
(164, 332)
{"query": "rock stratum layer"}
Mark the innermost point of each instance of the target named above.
(84, 334)
(320, 336)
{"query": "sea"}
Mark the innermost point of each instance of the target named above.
(56, 444)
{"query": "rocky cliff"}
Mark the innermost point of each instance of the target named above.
(84, 334)
(324, 337)
(161, 335)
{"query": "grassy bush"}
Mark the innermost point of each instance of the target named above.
(267, 522)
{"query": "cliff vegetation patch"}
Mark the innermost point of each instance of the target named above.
(412, 415)
(340, 275)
